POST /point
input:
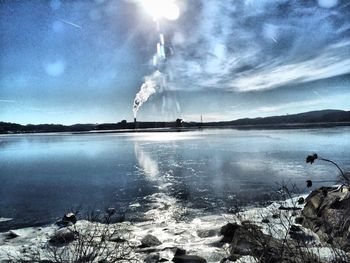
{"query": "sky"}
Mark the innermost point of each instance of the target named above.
(84, 61)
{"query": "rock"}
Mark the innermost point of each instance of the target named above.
(188, 259)
(301, 200)
(152, 258)
(228, 231)
(245, 240)
(69, 219)
(12, 234)
(313, 201)
(301, 237)
(207, 233)
(275, 216)
(296, 233)
(265, 220)
(299, 220)
(63, 237)
(150, 241)
(295, 228)
(249, 240)
(326, 212)
(234, 258)
(181, 257)
(289, 208)
(179, 252)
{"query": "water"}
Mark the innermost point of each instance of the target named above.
(209, 171)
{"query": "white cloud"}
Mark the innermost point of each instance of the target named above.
(325, 65)
(260, 44)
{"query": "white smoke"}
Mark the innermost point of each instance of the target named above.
(150, 86)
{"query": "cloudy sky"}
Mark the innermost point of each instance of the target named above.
(84, 61)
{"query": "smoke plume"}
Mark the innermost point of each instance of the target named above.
(150, 86)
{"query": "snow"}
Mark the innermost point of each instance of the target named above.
(161, 221)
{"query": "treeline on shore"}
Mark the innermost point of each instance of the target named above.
(312, 117)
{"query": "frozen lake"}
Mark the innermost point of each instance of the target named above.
(209, 171)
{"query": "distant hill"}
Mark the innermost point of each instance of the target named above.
(7, 127)
(321, 117)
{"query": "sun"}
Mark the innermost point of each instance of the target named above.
(162, 9)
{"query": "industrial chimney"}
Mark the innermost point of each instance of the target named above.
(135, 123)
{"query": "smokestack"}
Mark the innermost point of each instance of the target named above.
(135, 123)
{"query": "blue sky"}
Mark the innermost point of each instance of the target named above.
(84, 61)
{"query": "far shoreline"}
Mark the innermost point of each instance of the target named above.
(282, 126)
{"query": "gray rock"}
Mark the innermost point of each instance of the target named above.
(301, 236)
(181, 257)
(152, 258)
(179, 252)
(289, 208)
(69, 219)
(248, 239)
(150, 241)
(326, 213)
(207, 233)
(297, 233)
(188, 259)
(275, 216)
(295, 228)
(228, 231)
(299, 220)
(63, 236)
(265, 220)
(12, 234)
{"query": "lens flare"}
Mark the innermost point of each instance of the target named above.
(162, 9)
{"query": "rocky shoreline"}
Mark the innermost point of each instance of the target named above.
(316, 229)
(313, 228)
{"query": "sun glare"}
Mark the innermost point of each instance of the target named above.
(162, 9)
